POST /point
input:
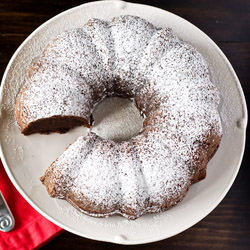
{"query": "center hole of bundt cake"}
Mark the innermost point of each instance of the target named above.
(117, 119)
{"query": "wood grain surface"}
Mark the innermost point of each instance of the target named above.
(227, 22)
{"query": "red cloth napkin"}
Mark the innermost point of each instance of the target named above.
(31, 229)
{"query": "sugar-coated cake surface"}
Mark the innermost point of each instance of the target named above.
(169, 82)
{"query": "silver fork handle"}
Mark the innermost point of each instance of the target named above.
(7, 221)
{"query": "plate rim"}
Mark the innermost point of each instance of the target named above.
(148, 240)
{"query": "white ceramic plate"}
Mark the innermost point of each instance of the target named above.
(25, 158)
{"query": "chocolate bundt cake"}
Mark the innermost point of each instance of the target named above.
(169, 82)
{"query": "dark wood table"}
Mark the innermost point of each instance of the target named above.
(227, 22)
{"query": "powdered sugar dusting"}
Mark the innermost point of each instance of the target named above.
(171, 84)
(131, 35)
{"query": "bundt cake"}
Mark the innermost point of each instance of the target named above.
(169, 82)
